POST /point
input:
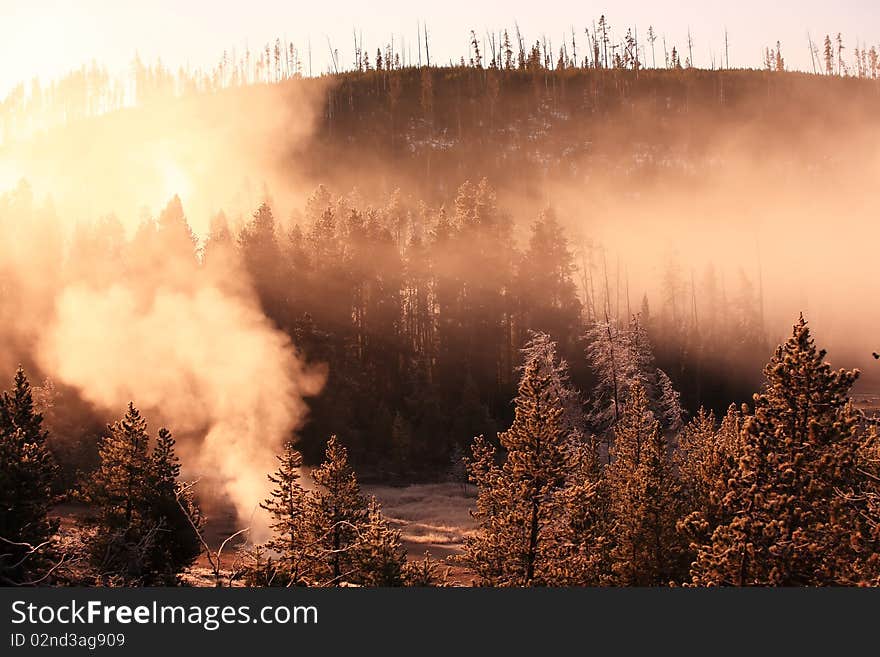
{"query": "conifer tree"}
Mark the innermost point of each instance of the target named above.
(788, 522)
(548, 297)
(541, 350)
(621, 360)
(148, 525)
(644, 500)
(866, 500)
(524, 505)
(287, 505)
(125, 468)
(26, 473)
(379, 555)
(337, 514)
(707, 458)
(173, 507)
(828, 53)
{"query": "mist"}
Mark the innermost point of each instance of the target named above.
(188, 344)
(767, 191)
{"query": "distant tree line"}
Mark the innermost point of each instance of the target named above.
(420, 314)
(89, 90)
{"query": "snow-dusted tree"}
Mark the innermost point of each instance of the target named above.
(866, 499)
(608, 356)
(707, 458)
(668, 403)
(644, 500)
(541, 350)
(621, 360)
(524, 504)
(379, 556)
(788, 523)
(583, 534)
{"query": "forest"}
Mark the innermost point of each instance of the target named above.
(562, 284)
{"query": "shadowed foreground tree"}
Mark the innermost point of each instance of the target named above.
(787, 522)
(145, 535)
(26, 474)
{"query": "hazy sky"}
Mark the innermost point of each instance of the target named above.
(48, 37)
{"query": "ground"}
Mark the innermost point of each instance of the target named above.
(433, 518)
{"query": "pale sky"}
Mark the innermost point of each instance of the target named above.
(46, 38)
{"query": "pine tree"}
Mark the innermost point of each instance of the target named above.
(547, 293)
(379, 555)
(125, 468)
(621, 360)
(829, 56)
(540, 349)
(173, 508)
(607, 354)
(336, 517)
(148, 525)
(507, 51)
(707, 458)
(788, 522)
(287, 505)
(174, 233)
(524, 505)
(668, 403)
(26, 474)
(865, 500)
(644, 500)
(423, 572)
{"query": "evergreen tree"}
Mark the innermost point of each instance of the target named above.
(866, 500)
(379, 555)
(336, 518)
(125, 467)
(143, 536)
(622, 360)
(174, 233)
(541, 350)
(173, 507)
(707, 459)
(644, 500)
(26, 474)
(287, 505)
(607, 354)
(829, 56)
(548, 297)
(788, 522)
(524, 505)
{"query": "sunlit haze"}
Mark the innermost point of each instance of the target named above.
(581, 296)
